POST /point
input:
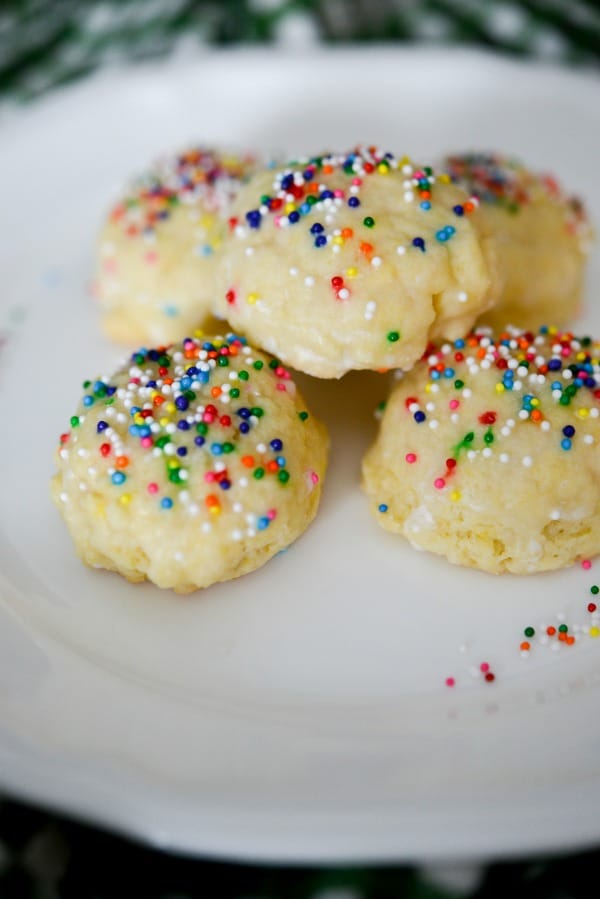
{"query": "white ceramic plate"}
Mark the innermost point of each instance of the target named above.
(300, 712)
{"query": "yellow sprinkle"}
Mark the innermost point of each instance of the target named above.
(207, 220)
(164, 421)
(339, 240)
(215, 510)
(499, 388)
(552, 329)
(582, 413)
(382, 169)
(535, 402)
(290, 207)
(252, 298)
(170, 407)
(198, 332)
(428, 387)
(125, 499)
(138, 419)
(594, 632)
(351, 272)
(443, 178)
(405, 161)
(455, 496)
(580, 357)
(172, 463)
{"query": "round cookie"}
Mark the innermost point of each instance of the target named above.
(542, 239)
(190, 465)
(352, 261)
(488, 452)
(157, 251)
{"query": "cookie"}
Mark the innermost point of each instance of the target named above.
(352, 261)
(543, 238)
(190, 465)
(155, 273)
(488, 452)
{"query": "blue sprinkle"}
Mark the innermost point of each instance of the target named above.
(383, 507)
(425, 205)
(183, 425)
(166, 502)
(182, 451)
(182, 403)
(320, 241)
(458, 210)
(566, 443)
(568, 430)
(280, 461)
(253, 218)
(419, 242)
(101, 426)
(262, 523)
(276, 445)
(419, 417)
(216, 449)
(118, 477)
(199, 440)
(244, 427)
(294, 217)
(354, 202)
(316, 228)
(88, 400)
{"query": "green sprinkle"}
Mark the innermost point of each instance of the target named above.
(74, 421)
(368, 222)
(595, 589)
(234, 393)
(258, 364)
(258, 473)
(162, 441)
(488, 437)
(223, 361)
(302, 416)
(175, 476)
(274, 363)
(243, 375)
(256, 410)
(563, 628)
(283, 476)
(202, 427)
(227, 447)
(393, 336)
(86, 384)
(459, 384)
(529, 632)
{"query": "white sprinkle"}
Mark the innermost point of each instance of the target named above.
(193, 509)
(462, 296)
(243, 482)
(504, 457)
(64, 498)
(545, 426)
(409, 196)
(178, 556)
(487, 452)
(249, 251)
(309, 281)
(376, 261)
(527, 461)
(555, 515)
(206, 527)
(293, 271)
(588, 438)
(400, 250)
(344, 293)
(237, 535)
(471, 455)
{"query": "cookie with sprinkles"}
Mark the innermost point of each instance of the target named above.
(157, 251)
(352, 261)
(488, 451)
(192, 464)
(543, 238)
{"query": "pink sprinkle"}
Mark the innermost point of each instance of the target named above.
(151, 256)
(357, 181)
(271, 514)
(454, 404)
(565, 351)
(484, 667)
(277, 221)
(146, 442)
(450, 682)
(439, 483)
(152, 488)
(410, 458)
(586, 564)
(210, 476)
(281, 386)
(314, 477)
(338, 193)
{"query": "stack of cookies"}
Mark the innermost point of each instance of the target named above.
(198, 460)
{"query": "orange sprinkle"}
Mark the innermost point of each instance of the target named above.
(366, 248)
(468, 206)
(122, 461)
(272, 465)
(248, 461)
(570, 640)
(215, 391)
(562, 637)
(211, 501)
(550, 631)
(536, 415)
(158, 400)
(525, 646)
(347, 233)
